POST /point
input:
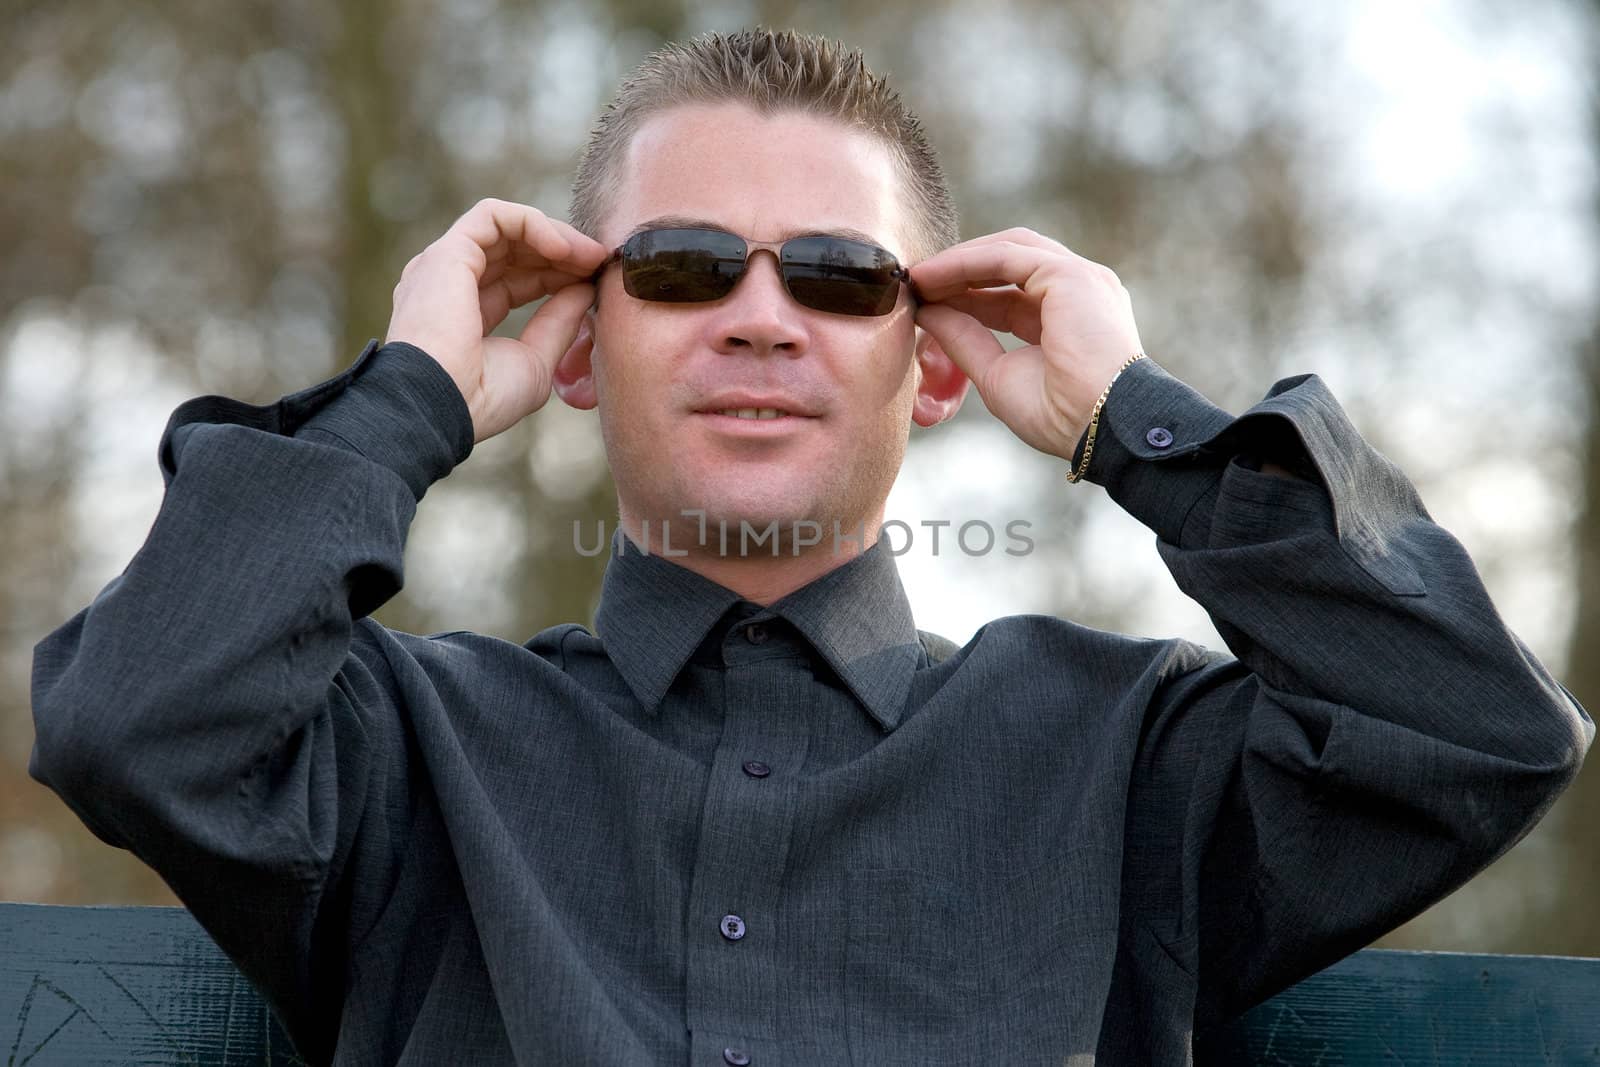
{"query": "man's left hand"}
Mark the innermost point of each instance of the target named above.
(1075, 315)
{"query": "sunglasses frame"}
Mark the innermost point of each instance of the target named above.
(899, 273)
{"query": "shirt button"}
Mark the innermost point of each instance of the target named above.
(732, 927)
(736, 1056)
(755, 633)
(1159, 437)
(756, 769)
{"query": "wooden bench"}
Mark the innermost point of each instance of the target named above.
(80, 987)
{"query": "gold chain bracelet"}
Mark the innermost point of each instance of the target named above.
(1094, 420)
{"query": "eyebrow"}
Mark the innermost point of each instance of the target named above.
(688, 222)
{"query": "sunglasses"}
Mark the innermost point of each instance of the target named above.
(687, 266)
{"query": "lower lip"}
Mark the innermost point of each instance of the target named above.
(755, 427)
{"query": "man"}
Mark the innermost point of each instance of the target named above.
(757, 818)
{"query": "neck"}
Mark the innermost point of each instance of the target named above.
(761, 565)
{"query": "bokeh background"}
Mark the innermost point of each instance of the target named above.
(218, 198)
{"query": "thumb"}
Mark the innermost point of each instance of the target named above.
(554, 325)
(518, 375)
(968, 342)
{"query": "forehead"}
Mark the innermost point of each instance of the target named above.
(764, 177)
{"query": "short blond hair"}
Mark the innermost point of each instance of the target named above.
(770, 71)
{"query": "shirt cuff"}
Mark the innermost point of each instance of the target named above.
(395, 405)
(1190, 471)
(1150, 450)
(400, 409)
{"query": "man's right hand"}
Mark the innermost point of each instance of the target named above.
(452, 295)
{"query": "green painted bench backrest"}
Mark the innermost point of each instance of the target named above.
(80, 987)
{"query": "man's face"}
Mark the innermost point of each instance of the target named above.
(663, 372)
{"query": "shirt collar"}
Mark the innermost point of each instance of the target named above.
(653, 614)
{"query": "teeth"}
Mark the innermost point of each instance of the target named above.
(753, 413)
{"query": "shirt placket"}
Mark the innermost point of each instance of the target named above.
(734, 969)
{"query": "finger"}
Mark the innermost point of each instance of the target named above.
(489, 231)
(1008, 310)
(515, 288)
(982, 266)
(587, 253)
(485, 235)
(544, 235)
(964, 339)
(1020, 235)
(554, 326)
(522, 263)
(512, 254)
(1017, 236)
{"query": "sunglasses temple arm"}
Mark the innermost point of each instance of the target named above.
(904, 274)
(616, 254)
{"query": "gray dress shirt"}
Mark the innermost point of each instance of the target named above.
(714, 833)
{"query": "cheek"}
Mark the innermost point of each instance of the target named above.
(884, 366)
(622, 371)
(899, 390)
(621, 399)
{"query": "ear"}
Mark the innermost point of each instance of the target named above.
(573, 379)
(941, 385)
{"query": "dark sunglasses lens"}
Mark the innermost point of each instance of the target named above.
(681, 266)
(842, 276)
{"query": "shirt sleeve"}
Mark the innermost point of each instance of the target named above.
(1380, 736)
(207, 711)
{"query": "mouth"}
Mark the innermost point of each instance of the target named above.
(754, 422)
(753, 413)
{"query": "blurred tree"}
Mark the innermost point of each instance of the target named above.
(231, 198)
(1571, 926)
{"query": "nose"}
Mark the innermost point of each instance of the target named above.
(759, 316)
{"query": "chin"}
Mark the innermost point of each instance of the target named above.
(751, 513)
(733, 493)
(757, 514)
